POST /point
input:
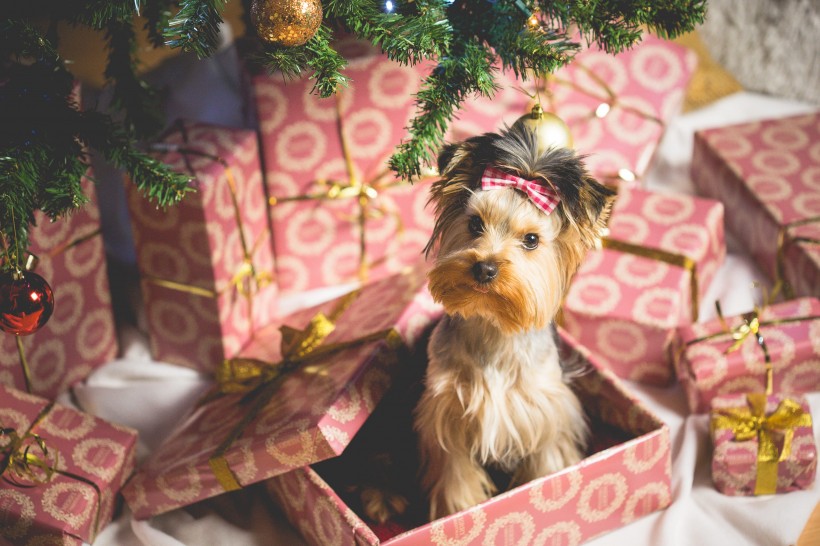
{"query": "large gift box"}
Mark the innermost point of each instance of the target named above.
(722, 357)
(206, 264)
(297, 394)
(338, 213)
(80, 335)
(61, 470)
(657, 262)
(763, 444)
(625, 476)
(768, 175)
(616, 106)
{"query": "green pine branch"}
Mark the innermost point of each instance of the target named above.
(196, 26)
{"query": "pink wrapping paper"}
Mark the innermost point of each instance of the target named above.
(768, 174)
(63, 510)
(648, 82)
(80, 335)
(706, 370)
(312, 416)
(734, 463)
(608, 489)
(197, 243)
(624, 307)
(317, 242)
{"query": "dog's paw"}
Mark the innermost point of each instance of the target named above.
(381, 506)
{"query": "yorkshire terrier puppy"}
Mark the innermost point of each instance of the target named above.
(512, 226)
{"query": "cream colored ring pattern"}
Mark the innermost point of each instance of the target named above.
(565, 533)
(563, 489)
(58, 493)
(610, 489)
(656, 68)
(505, 524)
(439, 536)
(96, 325)
(19, 528)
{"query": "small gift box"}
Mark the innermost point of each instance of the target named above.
(206, 263)
(80, 335)
(658, 260)
(766, 173)
(60, 470)
(625, 476)
(338, 213)
(763, 444)
(616, 106)
(297, 394)
(722, 357)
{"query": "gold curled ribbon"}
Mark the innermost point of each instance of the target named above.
(784, 238)
(259, 380)
(246, 281)
(751, 421)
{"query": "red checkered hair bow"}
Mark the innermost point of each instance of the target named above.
(543, 197)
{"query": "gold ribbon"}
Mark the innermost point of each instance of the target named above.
(259, 380)
(751, 421)
(246, 280)
(784, 238)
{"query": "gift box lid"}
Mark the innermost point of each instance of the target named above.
(274, 422)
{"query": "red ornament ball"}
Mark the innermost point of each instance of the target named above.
(26, 302)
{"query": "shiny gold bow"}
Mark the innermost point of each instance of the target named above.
(751, 421)
(26, 459)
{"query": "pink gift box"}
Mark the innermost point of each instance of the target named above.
(68, 509)
(317, 242)
(311, 415)
(202, 301)
(735, 466)
(767, 173)
(648, 84)
(622, 479)
(706, 369)
(625, 307)
(80, 335)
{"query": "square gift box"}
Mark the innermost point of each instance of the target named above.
(627, 299)
(625, 476)
(768, 175)
(80, 335)
(709, 363)
(338, 213)
(206, 263)
(90, 459)
(763, 444)
(298, 393)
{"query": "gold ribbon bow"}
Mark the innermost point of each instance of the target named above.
(751, 421)
(26, 459)
(784, 238)
(259, 380)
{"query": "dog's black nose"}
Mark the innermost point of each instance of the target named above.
(484, 272)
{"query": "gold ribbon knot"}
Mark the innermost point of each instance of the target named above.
(26, 460)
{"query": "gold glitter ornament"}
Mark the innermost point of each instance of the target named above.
(286, 22)
(550, 130)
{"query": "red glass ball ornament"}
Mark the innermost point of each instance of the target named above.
(26, 302)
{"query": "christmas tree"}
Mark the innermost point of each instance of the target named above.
(46, 136)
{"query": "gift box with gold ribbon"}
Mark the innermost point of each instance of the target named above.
(763, 444)
(768, 175)
(206, 264)
(297, 394)
(80, 336)
(339, 214)
(60, 471)
(725, 356)
(659, 257)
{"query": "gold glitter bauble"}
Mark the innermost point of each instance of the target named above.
(550, 130)
(286, 22)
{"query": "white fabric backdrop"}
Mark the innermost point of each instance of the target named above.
(150, 396)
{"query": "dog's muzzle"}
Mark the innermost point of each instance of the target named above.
(485, 272)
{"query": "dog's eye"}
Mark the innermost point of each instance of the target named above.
(530, 241)
(475, 225)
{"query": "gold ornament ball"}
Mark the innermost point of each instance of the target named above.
(286, 22)
(550, 130)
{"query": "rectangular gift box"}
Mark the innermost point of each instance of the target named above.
(767, 174)
(80, 335)
(319, 207)
(625, 476)
(628, 298)
(206, 263)
(279, 411)
(753, 458)
(616, 106)
(92, 459)
(708, 365)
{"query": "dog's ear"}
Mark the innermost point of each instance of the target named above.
(592, 212)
